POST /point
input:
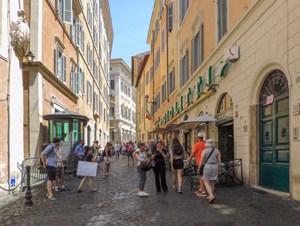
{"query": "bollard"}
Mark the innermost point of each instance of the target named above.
(28, 195)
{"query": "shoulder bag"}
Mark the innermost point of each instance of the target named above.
(202, 166)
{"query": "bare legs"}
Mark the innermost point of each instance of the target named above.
(177, 176)
(50, 184)
(210, 187)
(91, 182)
(201, 182)
(107, 168)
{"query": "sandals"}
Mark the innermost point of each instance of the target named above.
(211, 200)
(200, 193)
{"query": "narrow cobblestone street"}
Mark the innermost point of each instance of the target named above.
(116, 203)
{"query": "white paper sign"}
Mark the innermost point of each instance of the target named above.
(87, 169)
(270, 100)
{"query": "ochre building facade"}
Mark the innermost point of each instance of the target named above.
(238, 62)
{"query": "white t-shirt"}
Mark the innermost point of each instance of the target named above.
(141, 156)
(117, 147)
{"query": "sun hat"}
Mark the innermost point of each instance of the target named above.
(209, 143)
(200, 135)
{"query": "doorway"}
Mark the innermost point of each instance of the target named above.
(226, 141)
(186, 142)
(274, 151)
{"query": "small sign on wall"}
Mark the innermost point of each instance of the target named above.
(296, 134)
(296, 109)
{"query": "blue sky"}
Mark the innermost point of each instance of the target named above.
(130, 19)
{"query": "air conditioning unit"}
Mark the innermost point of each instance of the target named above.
(231, 54)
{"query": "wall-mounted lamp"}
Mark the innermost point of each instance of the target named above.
(211, 86)
(29, 57)
(147, 100)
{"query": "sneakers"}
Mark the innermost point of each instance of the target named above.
(79, 190)
(56, 189)
(52, 198)
(203, 194)
(142, 193)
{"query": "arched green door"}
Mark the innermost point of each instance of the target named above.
(274, 133)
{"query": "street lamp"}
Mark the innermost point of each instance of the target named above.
(29, 57)
(147, 100)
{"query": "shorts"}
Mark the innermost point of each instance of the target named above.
(51, 172)
(129, 154)
(178, 163)
(106, 160)
(60, 172)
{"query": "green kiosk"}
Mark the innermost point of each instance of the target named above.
(69, 127)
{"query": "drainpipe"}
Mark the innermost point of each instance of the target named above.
(8, 96)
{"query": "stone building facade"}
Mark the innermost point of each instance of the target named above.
(123, 103)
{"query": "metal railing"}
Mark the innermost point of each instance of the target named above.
(232, 172)
(37, 172)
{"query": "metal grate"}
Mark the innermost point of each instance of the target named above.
(275, 84)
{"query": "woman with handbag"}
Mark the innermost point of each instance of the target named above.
(177, 154)
(89, 157)
(159, 156)
(210, 164)
(140, 154)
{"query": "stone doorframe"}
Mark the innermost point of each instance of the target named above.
(254, 93)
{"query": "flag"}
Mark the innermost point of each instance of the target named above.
(148, 116)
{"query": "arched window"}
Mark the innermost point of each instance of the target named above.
(122, 110)
(128, 92)
(275, 84)
(125, 113)
(224, 104)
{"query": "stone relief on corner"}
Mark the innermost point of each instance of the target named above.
(20, 35)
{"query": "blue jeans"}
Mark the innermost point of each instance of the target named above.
(142, 178)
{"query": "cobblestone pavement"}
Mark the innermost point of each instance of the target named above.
(116, 203)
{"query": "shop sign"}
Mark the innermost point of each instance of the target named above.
(227, 114)
(186, 100)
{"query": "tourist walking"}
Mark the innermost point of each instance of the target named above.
(177, 154)
(89, 157)
(140, 154)
(211, 159)
(129, 152)
(49, 161)
(159, 155)
(60, 185)
(117, 150)
(79, 153)
(107, 155)
(197, 152)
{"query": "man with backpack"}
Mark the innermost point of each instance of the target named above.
(49, 160)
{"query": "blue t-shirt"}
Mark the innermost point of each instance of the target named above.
(79, 150)
(50, 154)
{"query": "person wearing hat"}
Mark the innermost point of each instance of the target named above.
(197, 151)
(211, 159)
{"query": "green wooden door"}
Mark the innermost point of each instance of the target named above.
(274, 145)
